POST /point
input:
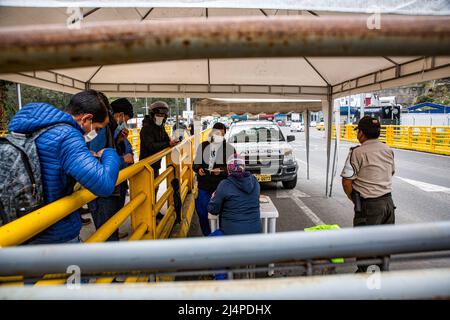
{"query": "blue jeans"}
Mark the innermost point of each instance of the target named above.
(102, 209)
(218, 276)
(201, 206)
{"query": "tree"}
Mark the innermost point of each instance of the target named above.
(423, 98)
(9, 104)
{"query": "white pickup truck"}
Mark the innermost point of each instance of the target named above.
(268, 154)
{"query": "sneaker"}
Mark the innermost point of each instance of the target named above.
(84, 211)
(159, 217)
(86, 221)
(123, 235)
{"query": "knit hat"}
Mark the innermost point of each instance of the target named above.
(236, 165)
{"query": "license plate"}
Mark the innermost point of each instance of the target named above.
(263, 177)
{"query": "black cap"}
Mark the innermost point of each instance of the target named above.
(368, 123)
(122, 105)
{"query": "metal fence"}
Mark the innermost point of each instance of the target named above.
(142, 261)
(433, 139)
(416, 284)
(142, 207)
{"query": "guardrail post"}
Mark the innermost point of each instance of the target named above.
(143, 182)
(191, 164)
(389, 135)
(347, 132)
(170, 177)
(433, 138)
(410, 136)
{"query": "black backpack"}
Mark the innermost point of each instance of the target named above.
(21, 190)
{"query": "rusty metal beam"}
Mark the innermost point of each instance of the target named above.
(49, 47)
(401, 70)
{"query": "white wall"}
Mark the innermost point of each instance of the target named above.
(411, 119)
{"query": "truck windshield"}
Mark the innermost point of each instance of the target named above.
(256, 134)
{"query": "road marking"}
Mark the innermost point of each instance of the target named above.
(295, 195)
(427, 187)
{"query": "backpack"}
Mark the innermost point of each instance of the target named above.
(21, 190)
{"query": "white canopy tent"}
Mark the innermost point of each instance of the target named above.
(295, 77)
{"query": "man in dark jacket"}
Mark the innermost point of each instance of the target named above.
(211, 167)
(154, 137)
(65, 158)
(103, 208)
(123, 111)
(237, 201)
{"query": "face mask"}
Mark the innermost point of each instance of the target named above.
(91, 135)
(217, 138)
(122, 126)
(159, 120)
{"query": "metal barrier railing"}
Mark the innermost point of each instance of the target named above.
(150, 257)
(134, 138)
(433, 139)
(143, 206)
(410, 284)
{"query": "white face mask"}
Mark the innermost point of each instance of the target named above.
(217, 138)
(159, 120)
(91, 135)
(122, 126)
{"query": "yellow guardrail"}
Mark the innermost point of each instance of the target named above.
(142, 207)
(433, 139)
(134, 138)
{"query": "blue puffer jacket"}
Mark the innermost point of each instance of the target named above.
(63, 152)
(237, 202)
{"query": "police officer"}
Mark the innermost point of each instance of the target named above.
(367, 177)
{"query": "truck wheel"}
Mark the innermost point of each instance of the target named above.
(290, 184)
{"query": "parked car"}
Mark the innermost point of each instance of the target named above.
(297, 127)
(268, 154)
(312, 123)
(135, 123)
(320, 126)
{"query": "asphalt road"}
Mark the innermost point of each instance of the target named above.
(421, 191)
(421, 184)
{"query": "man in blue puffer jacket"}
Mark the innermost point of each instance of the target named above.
(65, 158)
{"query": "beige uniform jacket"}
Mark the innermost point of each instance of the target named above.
(371, 167)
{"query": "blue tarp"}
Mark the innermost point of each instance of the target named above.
(344, 110)
(239, 117)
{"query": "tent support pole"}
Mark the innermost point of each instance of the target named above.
(306, 124)
(19, 95)
(337, 119)
(329, 118)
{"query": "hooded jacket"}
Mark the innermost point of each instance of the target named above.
(154, 138)
(237, 202)
(64, 158)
